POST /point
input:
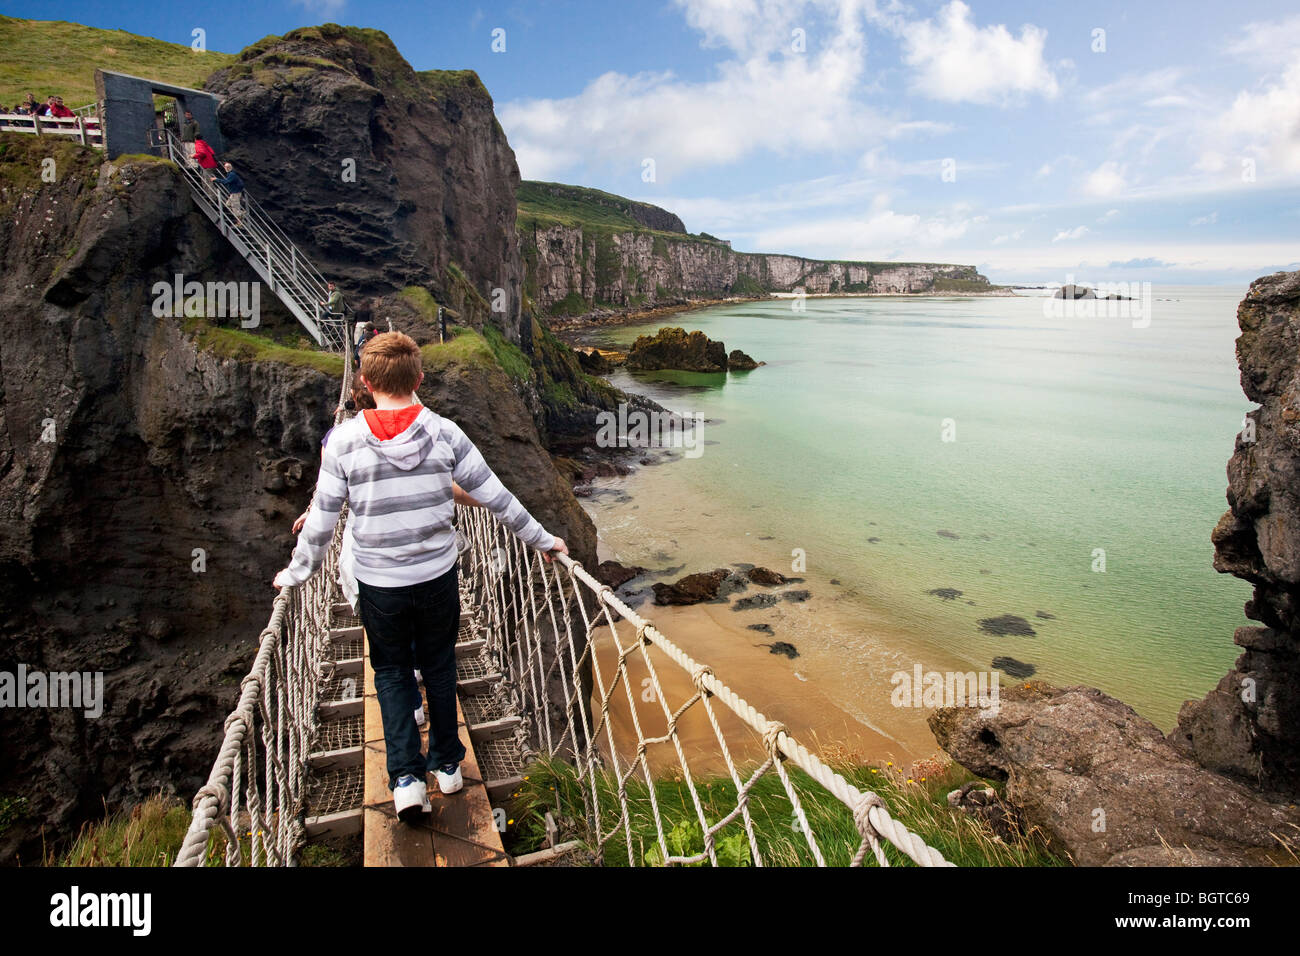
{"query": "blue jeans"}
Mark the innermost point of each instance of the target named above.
(409, 627)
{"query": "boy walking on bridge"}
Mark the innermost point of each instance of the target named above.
(395, 465)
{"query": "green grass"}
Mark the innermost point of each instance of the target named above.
(248, 347)
(148, 834)
(961, 285)
(919, 803)
(44, 57)
(509, 356)
(423, 301)
(466, 348)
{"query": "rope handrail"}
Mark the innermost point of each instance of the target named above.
(877, 814)
(526, 609)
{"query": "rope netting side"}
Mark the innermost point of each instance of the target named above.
(256, 792)
(543, 623)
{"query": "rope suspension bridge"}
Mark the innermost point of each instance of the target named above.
(548, 668)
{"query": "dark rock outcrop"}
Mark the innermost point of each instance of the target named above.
(1014, 668)
(1103, 782)
(387, 177)
(692, 589)
(1249, 725)
(615, 575)
(765, 576)
(738, 361)
(675, 348)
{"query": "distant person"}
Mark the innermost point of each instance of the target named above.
(359, 336)
(57, 109)
(189, 130)
(333, 302)
(31, 107)
(235, 187)
(204, 156)
(394, 466)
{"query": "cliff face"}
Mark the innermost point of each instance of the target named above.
(126, 456)
(1249, 726)
(573, 269)
(387, 177)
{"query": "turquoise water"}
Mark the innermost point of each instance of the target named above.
(1071, 435)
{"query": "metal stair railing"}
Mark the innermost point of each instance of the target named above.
(272, 254)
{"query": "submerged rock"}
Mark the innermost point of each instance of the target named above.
(755, 601)
(948, 594)
(1013, 667)
(761, 628)
(1006, 625)
(797, 596)
(781, 647)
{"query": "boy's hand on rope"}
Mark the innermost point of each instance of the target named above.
(560, 548)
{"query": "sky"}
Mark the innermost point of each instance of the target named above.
(1040, 142)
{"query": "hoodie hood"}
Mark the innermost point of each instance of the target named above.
(410, 447)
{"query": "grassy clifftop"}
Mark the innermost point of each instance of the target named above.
(52, 56)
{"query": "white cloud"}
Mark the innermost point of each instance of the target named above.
(1077, 232)
(1108, 215)
(1268, 43)
(883, 234)
(1267, 123)
(764, 97)
(1106, 180)
(1009, 237)
(1209, 220)
(954, 60)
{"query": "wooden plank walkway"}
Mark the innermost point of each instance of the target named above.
(461, 830)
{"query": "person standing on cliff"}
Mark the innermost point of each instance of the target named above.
(396, 465)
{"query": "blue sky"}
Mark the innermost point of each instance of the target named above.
(1008, 135)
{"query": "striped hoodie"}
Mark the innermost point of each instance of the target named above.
(400, 502)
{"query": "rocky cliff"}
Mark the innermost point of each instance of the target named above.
(150, 467)
(1249, 726)
(388, 177)
(586, 250)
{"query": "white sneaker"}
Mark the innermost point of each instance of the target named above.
(449, 778)
(419, 716)
(411, 798)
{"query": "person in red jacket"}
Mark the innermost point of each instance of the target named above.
(57, 109)
(204, 155)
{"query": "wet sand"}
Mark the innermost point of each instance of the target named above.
(793, 691)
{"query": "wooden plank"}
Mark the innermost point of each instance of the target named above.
(464, 829)
(336, 759)
(340, 634)
(343, 823)
(549, 854)
(500, 790)
(349, 665)
(334, 709)
(470, 648)
(476, 685)
(492, 729)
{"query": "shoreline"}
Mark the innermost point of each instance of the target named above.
(567, 327)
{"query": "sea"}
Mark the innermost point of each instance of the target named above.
(956, 480)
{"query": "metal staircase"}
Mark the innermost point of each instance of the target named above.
(273, 256)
